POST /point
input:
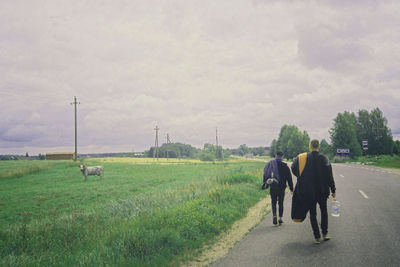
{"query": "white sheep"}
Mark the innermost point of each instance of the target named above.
(95, 170)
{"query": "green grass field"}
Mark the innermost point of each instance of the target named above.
(141, 214)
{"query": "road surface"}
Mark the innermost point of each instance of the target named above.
(367, 233)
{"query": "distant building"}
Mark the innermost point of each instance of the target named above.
(60, 156)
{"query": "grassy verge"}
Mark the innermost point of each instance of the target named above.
(383, 161)
(139, 215)
(19, 168)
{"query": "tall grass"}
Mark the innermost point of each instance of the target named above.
(22, 169)
(157, 224)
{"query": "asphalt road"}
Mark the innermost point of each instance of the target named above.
(367, 232)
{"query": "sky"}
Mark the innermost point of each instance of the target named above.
(246, 67)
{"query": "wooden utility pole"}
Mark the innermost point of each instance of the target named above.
(75, 103)
(216, 142)
(155, 151)
(168, 142)
(216, 148)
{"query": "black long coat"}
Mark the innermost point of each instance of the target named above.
(314, 181)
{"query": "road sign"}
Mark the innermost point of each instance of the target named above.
(365, 144)
(343, 152)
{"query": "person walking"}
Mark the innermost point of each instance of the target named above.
(314, 184)
(276, 176)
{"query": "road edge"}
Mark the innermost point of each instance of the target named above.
(226, 241)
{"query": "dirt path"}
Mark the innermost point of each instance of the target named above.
(235, 234)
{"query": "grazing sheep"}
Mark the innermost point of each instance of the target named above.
(95, 170)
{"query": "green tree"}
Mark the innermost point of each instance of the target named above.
(259, 151)
(292, 141)
(364, 127)
(344, 134)
(373, 127)
(381, 134)
(206, 156)
(220, 153)
(174, 150)
(243, 150)
(227, 153)
(274, 148)
(325, 148)
(396, 147)
(208, 153)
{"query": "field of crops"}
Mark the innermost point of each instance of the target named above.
(141, 214)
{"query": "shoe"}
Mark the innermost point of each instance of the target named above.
(280, 221)
(317, 240)
(326, 237)
(274, 220)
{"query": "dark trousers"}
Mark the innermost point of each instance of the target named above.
(277, 195)
(324, 217)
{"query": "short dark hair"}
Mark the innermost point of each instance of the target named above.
(314, 144)
(279, 154)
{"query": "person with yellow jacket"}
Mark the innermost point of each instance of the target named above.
(314, 184)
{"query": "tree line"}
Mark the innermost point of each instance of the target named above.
(349, 130)
(209, 152)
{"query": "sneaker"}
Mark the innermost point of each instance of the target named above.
(318, 240)
(280, 221)
(274, 220)
(326, 237)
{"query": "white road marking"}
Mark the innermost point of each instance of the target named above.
(341, 175)
(363, 194)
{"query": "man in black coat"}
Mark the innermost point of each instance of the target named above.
(314, 183)
(276, 175)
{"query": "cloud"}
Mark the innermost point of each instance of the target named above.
(245, 67)
(333, 44)
(22, 133)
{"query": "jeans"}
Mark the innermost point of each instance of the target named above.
(277, 195)
(324, 217)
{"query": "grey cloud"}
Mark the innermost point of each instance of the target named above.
(391, 74)
(322, 46)
(335, 3)
(189, 67)
(349, 39)
(22, 133)
(354, 3)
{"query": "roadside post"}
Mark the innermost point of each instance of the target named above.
(365, 146)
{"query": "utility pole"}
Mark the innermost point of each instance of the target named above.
(75, 103)
(168, 142)
(155, 151)
(216, 142)
(216, 136)
(216, 148)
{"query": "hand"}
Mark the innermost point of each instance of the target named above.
(291, 192)
(334, 196)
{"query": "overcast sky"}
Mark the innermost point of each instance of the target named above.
(246, 67)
